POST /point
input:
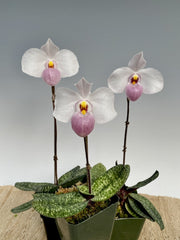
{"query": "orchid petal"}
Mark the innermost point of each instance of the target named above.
(82, 124)
(51, 76)
(67, 63)
(84, 87)
(118, 80)
(50, 48)
(151, 80)
(65, 103)
(102, 101)
(33, 62)
(133, 92)
(137, 62)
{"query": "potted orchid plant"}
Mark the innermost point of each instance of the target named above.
(133, 208)
(89, 202)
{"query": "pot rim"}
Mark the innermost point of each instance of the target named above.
(131, 218)
(78, 224)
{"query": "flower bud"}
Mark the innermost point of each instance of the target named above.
(51, 76)
(133, 92)
(82, 124)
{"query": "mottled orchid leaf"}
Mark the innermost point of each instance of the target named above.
(84, 190)
(145, 182)
(138, 209)
(37, 187)
(110, 182)
(68, 176)
(62, 205)
(96, 171)
(23, 207)
(79, 176)
(149, 207)
(130, 210)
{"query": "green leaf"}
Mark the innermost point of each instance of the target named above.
(37, 187)
(84, 190)
(23, 207)
(110, 182)
(62, 205)
(58, 211)
(137, 208)
(47, 188)
(79, 175)
(65, 198)
(145, 182)
(149, 207)
(96, 171)
(69, 175)
(130, 210)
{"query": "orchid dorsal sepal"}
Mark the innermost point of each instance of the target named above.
(50, 63)
(84, 108)
(137, 62)
(84, 87)
(135, 79)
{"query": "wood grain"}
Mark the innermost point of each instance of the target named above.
(29, 226)
(169, 208)
(24, 226)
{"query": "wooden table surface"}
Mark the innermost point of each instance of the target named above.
(29, 226)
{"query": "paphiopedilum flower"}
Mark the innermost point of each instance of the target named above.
(135, 80)
(50, 63)
(84, 108)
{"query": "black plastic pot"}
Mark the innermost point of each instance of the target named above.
(97, 227)
(50, 228)
(127, 228)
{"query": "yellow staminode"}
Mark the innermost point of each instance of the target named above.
(83, 107)
(83, 104)
(51, 64)
(134, 79)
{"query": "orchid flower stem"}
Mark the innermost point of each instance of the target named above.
(55, 139)
(87, 163)
(125, 133)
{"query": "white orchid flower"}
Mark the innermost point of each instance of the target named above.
(50, 63)
(84, 108)
(135, 80)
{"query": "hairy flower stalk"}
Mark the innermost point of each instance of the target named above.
(51, 64)
(55, 138)
(88, 167)
(125, 133)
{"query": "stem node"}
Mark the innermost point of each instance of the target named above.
(55, 139)
(125, 133)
